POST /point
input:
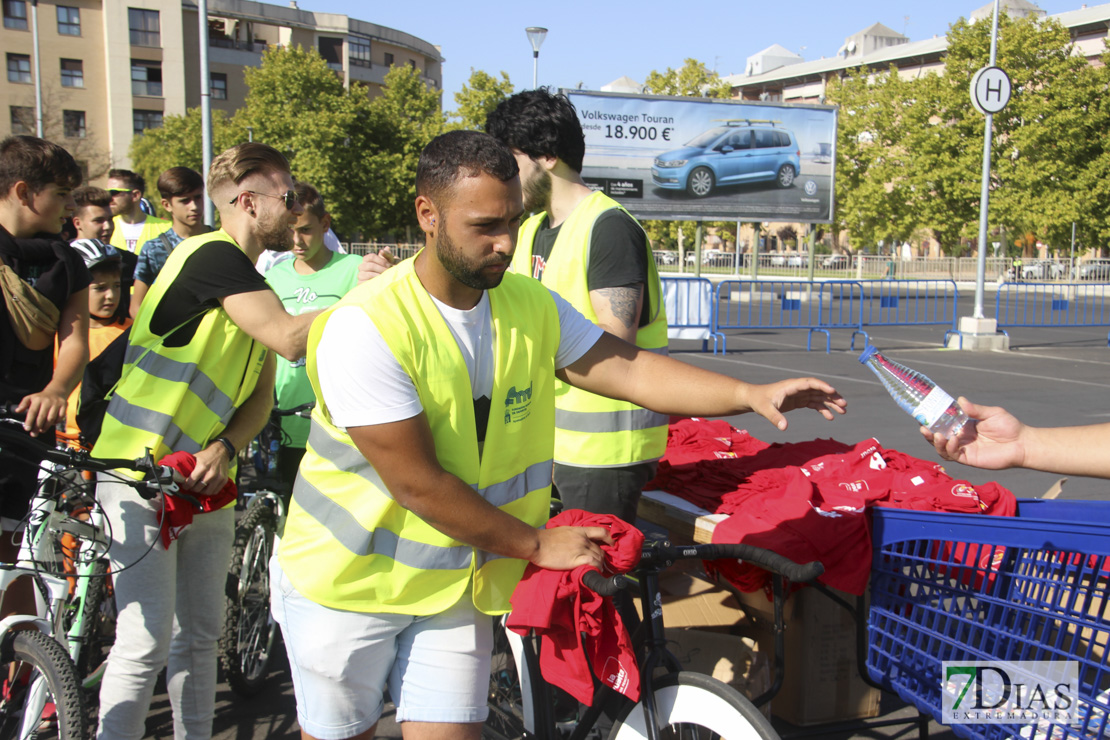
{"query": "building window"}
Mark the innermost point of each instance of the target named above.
(15, 14)
(145, 119)
(19, 68)
(146, 78)
(412, 63)
(145, 27)
(358, 51)
(73, 123)
(218, 87)
(69, 21)
(73, 73)
(23, 120)
(332, 52)
(388, 59)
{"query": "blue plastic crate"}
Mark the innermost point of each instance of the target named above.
(957, 587)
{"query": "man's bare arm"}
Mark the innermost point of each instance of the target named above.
(617, 369)
(138, 292)
(261, 314)
(618, 309)
(403, 454)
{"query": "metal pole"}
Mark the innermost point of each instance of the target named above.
(38, 67)
(1071, 256)
(984, 191)
(205, 107)
(535, 67)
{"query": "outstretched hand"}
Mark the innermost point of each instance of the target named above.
(994, 441)
(773, 400)
(375, 264)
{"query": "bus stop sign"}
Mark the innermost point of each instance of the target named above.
(990, 90)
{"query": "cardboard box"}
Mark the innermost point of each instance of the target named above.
(733, 660)
(690, 601)
(821, 679)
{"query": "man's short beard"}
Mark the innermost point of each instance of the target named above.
(276, 236)
(537, 192)
(466, 272)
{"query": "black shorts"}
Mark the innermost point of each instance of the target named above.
(19, 478)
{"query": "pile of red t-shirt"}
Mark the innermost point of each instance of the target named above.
(807, 500)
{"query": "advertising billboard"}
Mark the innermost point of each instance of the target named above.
(706, 159)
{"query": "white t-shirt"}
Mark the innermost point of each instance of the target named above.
(363, 384)
(131, 234)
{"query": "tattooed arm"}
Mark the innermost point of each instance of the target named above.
(618, 309)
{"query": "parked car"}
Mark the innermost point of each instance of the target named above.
(835, 261)
(795, 260)
(1041, 270)
(663, 257)
(741, 150)
(1095, 271)
(778, 260)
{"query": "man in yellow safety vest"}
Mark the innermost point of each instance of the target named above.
(427, 473)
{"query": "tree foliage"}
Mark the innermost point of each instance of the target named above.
(693, 79)
(360, 153)
(909, 152)
(478, 97)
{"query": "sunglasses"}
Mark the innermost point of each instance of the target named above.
(115, 191)
(289, 198)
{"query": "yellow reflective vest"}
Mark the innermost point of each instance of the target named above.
(347, 544)
(153, 227)
(593, 431)
(174, 399)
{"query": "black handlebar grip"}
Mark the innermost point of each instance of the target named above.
(603, 586)
(772, 561)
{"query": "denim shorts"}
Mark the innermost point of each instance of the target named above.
(437, 667)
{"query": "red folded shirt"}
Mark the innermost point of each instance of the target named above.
(177, 514)
(559, 608)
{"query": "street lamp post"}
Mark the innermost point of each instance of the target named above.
(536, 35)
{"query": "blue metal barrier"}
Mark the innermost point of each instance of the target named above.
(1052, 304)
(909, 303)
(691, 311)
(788, 304)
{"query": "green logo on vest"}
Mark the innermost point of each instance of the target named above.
(518, 404)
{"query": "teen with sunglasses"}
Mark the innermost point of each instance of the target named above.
(201, 380)
(133, 227)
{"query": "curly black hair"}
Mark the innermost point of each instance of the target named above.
(457, 154)
(540, 124)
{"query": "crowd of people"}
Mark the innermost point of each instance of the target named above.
(529, 327)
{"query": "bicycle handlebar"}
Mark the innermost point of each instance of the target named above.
(661, 555)
(302, 411)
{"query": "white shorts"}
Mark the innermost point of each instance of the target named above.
(437, 667)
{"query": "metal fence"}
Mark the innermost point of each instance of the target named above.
(1048, 304)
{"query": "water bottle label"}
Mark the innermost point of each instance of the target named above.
(932, 406)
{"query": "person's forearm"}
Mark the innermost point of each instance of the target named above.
(295, 339)
(1068, 450)
(249, 419)
(662, 384)
(73, 346)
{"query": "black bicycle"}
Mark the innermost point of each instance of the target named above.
(673, 704)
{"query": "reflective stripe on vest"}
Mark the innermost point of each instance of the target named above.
(594, 431)
(172, 399)
(347, 543)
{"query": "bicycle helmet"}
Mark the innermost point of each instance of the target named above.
(95, 252)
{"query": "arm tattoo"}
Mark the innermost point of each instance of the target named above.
(623, 303)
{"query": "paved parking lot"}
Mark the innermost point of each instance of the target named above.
(1057, 376)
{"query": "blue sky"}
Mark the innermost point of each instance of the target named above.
(596, 42)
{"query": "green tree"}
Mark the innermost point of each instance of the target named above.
(478, 97)
(405, 117)
(178, 144)
(693, 79)
(298, 105)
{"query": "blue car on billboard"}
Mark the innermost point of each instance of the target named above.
(737, 151)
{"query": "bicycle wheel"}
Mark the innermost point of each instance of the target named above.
(94, 615)
(506, 709)
(693, 706)
(247, 641)
(37, 675)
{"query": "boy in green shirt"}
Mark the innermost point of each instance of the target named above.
(316, 278)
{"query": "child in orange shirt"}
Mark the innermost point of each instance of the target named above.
(103, 261)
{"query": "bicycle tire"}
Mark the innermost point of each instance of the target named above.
(51, 678)
(97, 615)
(248, 636)
(695, 706)
(506, 709)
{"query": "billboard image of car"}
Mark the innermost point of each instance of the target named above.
(669, 157)
(741, 150)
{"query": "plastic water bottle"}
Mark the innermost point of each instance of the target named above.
(920, 397)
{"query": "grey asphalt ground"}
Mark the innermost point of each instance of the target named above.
(1058, 376)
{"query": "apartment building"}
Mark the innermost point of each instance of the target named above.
(773, 76)
(111, 69)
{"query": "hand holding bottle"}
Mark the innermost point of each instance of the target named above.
(997, 440)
